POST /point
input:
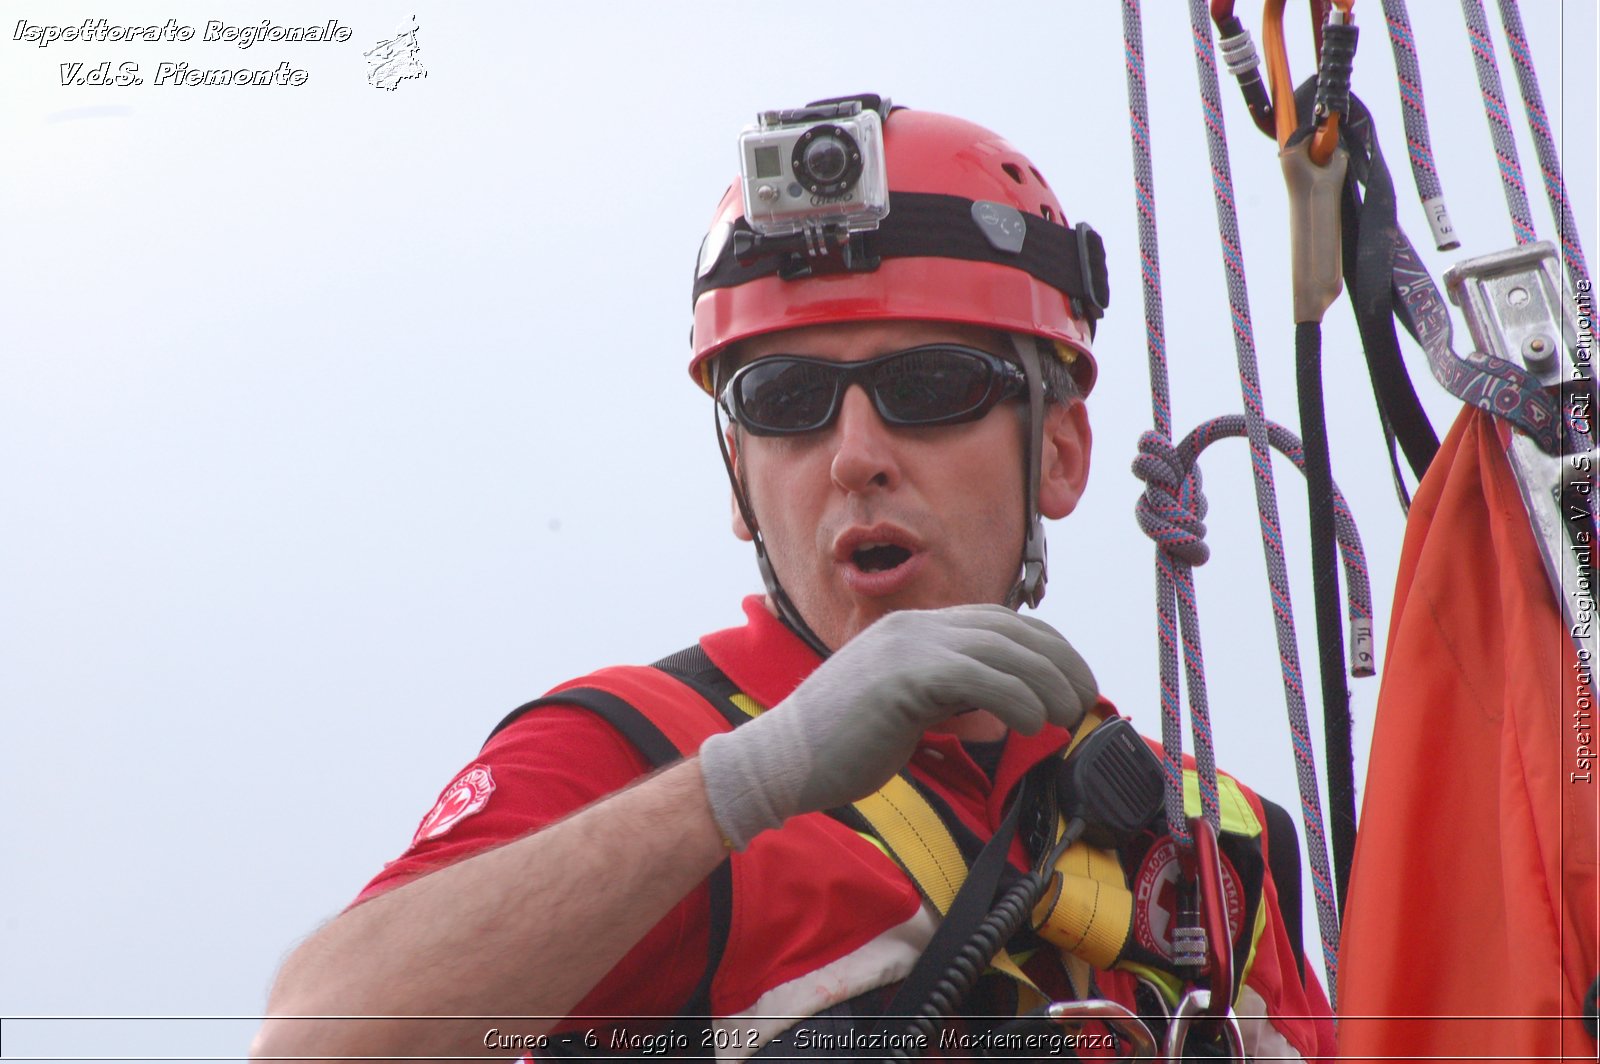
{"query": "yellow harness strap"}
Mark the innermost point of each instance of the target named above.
(1087, 910)
(920, 843)
(914, 836)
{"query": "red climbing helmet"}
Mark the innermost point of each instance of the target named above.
(973, 235)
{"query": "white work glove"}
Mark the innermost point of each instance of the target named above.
(855, 722)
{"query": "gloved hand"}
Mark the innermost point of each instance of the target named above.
(856, 720)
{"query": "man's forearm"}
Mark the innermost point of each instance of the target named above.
(526, 929)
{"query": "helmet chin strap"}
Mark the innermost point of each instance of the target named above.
(775, 592)
(1029, 589)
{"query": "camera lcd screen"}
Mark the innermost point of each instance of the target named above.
(768, 162)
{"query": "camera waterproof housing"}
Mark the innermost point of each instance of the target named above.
(815, 168)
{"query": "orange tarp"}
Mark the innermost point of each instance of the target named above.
(1471, 925)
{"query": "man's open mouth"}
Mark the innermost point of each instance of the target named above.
(879, 557)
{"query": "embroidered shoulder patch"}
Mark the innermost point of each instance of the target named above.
(1155, 897)
(467, 794)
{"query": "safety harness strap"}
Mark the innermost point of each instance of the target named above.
(971, 904)
(634, 726)
(898, 815)
(915, 830)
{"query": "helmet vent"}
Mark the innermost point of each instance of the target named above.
(1049, 215)
(1040, 177)
(1013, 171)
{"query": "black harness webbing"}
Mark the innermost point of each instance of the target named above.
(694, 668)
(634, 726)
(1283, 860)
(1371, 229)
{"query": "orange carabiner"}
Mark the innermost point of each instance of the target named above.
(1326, 137)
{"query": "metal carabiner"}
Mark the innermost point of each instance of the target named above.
(1196, 1006)
(1125, 1022)
(1239, 52)
(1281, 83)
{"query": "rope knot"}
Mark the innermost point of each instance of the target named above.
(1173, 507)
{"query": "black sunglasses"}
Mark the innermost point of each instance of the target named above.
(935, 384)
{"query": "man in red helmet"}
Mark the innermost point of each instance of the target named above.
(747, 848)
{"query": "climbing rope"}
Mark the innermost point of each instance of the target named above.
(1544, 143)
(1174, 507)
(1414, 114)
(1169, 524)
(1266, 495)
(1494, 108)
(1185, 546)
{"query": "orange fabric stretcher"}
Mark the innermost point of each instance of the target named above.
(1471, 928)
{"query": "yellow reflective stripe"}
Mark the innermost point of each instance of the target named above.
(1237, 816)
(746, 704)
(870, 837)
(1169, 985)
(1255, 937)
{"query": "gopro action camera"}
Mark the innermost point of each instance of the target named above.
(815, 168)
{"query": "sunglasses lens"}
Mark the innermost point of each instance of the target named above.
(923, 386)
(785, 394)
(932, 385)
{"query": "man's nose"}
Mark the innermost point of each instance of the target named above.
(864, 454)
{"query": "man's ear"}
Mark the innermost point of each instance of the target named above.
(1064, 460)
(740, 529)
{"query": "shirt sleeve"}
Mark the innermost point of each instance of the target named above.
(548, 764)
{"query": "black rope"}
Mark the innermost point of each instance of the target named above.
(1340, 758)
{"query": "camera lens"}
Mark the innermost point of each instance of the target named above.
(826, 160)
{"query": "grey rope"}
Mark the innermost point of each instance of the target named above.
(1266, 495)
